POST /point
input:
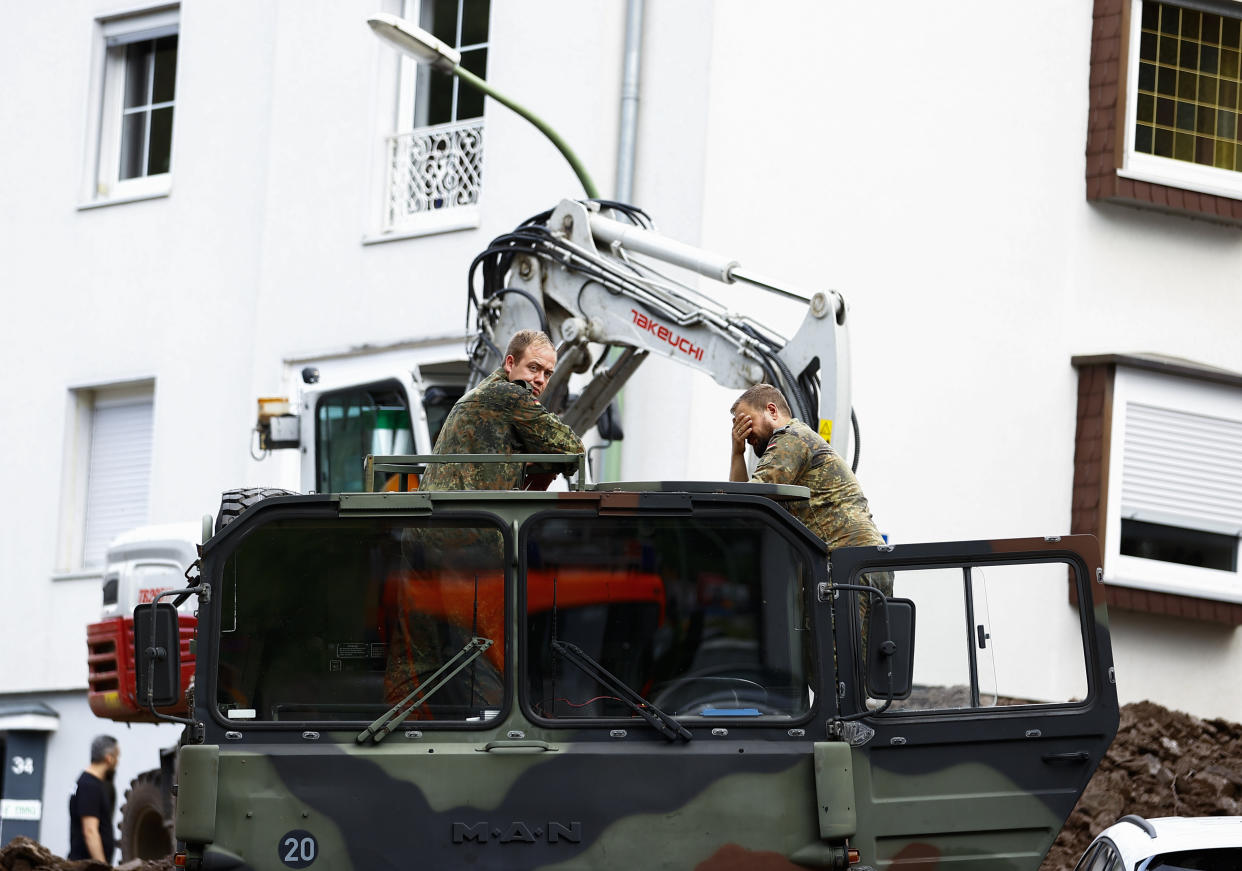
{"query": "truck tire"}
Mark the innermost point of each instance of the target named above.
(146, 833)
(234, 502)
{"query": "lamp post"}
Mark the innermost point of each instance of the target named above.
(422, 46)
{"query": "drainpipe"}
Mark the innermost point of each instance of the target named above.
(627, 137)
(627, 145)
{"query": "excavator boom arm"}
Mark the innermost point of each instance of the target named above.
(592, 280)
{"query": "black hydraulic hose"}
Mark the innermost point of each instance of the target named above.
(757, 336)
(810, 384)
(479, 352)
(540, 219)
(533, 241)
(498, 257)
(806, 412)
(810, 389)
(857, 441)
(636, 215)
(501, 250)
(496, 260)
(543, 317)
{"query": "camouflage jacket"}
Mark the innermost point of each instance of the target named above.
(837, 511)
(496, 417)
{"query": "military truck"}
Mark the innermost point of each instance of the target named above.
(668, 674)
(623, 675)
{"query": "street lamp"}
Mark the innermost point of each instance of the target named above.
(422, 46)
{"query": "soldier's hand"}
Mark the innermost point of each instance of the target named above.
(742, 426)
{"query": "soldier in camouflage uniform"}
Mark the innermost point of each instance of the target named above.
(503, 416)
(790, 452)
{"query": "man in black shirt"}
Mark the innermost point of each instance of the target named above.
(90, 808)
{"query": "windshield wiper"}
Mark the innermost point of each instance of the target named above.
(662, 722)
(395, 716)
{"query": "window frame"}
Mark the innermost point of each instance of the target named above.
(1078, 573)
(1111, 855)
(415, 77)
(316, 508)
(409, 91)
(76, 467)
(1146, 574)
(1112, 172)
(1134, 583)
(1166, 170)
(102, 184)
(394, 385)
(1103, 851)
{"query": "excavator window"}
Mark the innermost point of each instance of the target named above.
(354, 422)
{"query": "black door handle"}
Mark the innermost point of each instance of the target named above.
(1072, 757)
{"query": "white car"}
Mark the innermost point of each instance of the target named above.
(1166, 844)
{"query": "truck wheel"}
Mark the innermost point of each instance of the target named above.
(234, 502)
(145, 832)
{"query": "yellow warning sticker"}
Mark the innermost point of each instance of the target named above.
(825, 429)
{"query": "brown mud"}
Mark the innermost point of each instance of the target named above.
(23, 854)
(1163, 763)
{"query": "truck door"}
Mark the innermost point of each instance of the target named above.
(1012, 705)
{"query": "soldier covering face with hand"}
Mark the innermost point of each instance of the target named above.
(790, 452)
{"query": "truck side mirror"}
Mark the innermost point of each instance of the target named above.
(609, 423)
(157, 654)
(890, 649)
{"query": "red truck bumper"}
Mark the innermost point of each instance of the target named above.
(111, 685)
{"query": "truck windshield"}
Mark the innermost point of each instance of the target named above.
(339, 620)
(701, 616)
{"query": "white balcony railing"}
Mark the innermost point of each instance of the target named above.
(434, 169)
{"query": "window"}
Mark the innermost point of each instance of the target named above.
(340, 621)
(1158, 478)
(136, 97)
(1165, 84)
(435, 157)
(1187, 86)
(354, 422)
(1196, 859)
(1106, 858)
(974, 638)
(703, 617)
(374, 419)
(107, 473)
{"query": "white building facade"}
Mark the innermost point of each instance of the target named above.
(203, 197)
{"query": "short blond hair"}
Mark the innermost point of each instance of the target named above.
(758, 396)
(524, 339)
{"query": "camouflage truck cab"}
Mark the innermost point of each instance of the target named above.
(645, 676)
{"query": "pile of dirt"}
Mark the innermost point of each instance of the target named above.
(1163, 763)
(23, 854)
